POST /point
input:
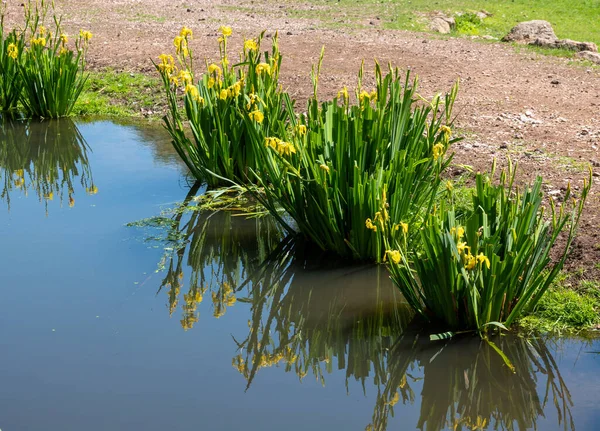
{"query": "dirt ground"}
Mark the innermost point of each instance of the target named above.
(543, 112)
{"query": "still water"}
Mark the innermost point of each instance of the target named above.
(121, 310)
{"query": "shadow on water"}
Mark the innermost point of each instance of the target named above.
(46, 158)
(313, 315)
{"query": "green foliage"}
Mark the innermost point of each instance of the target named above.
(226, 105)
(332, 169)
(491, 265)
(467, 23)
(46, 76)
(12, 46)
(52, 74)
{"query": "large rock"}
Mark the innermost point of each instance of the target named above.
(442, 24)
(530, 32)
(540, 33)
(594, 57)
(573, 45)
(569, 44)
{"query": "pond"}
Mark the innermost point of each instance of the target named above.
(121, 310)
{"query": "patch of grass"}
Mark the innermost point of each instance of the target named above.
(569, 19)
(145, 17)
(564, 309)
(120, 93)
(553, 52)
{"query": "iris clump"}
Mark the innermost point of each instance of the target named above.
(222, 106)
(329, 170)
(490, 264)
(40, 70)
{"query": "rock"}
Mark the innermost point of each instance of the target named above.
(482, 14)
(540, 33)
(594, 57)
(442, 24)
(573, 45)
(530, 31)
(569, 44)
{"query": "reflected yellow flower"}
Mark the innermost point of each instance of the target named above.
(230, 301)
(71, 202)
(49, 196)
(394, 399)
(91, 190)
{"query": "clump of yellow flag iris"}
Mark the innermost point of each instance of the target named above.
(361, 176)
(41, 70)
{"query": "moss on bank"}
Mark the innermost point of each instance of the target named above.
(567, 307)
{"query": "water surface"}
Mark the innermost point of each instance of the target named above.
(194, 320)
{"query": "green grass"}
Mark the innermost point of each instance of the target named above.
(120, 93)
(566, 308)
(146, 17)
(569, 19)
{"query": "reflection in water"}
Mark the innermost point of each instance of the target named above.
(43, 157)
(309, 320)
(466, 384)
(312, 315)
(222, 250)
